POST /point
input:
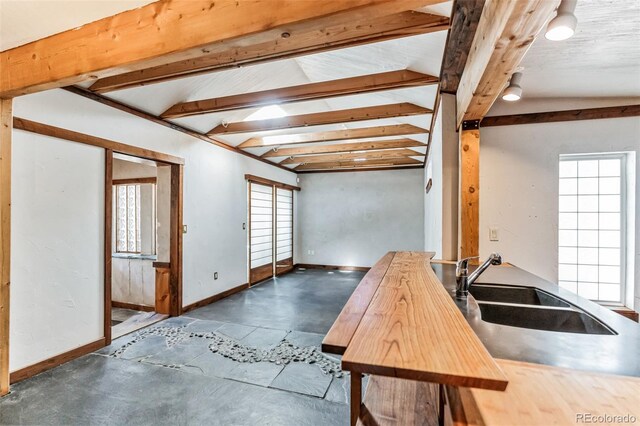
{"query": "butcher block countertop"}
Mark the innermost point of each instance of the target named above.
(544, 395)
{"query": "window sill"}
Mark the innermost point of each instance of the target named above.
(135, 256)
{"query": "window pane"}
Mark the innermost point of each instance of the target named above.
(588, 273)
(609, 292)
(588, 290)
(568, 272)
(568, 220)
(569, 285)
(568, 238)
(609, 274)
(587, 168)
(609, 203)
(588, 238)
(609, 256)
(609, 239)
(610, 185)
(587, 256)
(587, 186)
(610, 221)
(569, 203)
(568, 255)
(610, 167)
(568, 186)
(587, 220)
(568, 169)
(587, 203)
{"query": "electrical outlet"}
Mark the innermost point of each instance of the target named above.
(311, 252)
(244, 226)
(493, 234)
(215, 275)
(184, 229)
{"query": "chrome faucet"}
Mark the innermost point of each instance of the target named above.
(464, 280)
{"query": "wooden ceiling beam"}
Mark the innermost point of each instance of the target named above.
(403, 161)
(567, 115)
(334, 135)
(344, 147)
(464, 21)
(322, 118)
(369, 155)
(505, 32)
(170, 31)
(305, 92)
(291, 42)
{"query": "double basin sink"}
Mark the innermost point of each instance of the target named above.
(529, 307)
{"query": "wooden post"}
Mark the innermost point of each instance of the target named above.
(469, 189)
(175, 253)
(108, 242)
(6, 126)
(356, 396)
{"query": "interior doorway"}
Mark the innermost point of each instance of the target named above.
(143, 259)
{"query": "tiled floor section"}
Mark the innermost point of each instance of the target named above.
(152, 383)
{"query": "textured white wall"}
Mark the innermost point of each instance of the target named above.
(215, 206)
(56, 247)
(519, 185)
(433, 218)
(353, 219)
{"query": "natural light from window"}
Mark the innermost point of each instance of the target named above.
(267, 113)
(591, 208)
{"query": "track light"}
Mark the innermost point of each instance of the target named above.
(513, 92)
(564, 24)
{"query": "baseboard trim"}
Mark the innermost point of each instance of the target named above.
(215, 298)
(333, 267)
(54, 361)
(135, 307)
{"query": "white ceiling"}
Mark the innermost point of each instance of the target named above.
(24, 21)
(602, 59)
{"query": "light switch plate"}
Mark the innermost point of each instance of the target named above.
(184, 229)
(493, 234)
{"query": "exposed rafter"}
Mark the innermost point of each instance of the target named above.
(505, 32)
(344, 147)
(305, 92)
(567, 115)
(290, 43)
(321, 118)
(155, 34)
(369, 155)
(404, 161)
(334, 135)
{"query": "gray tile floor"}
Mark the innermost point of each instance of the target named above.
(159, 381)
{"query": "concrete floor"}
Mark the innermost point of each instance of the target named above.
(149, 378)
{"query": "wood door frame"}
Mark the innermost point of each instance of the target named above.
(175, 239)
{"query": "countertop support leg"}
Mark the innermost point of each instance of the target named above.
(356, 396)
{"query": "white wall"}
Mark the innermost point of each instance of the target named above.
(433, 200)
(215, 206)
(56, 247)
(519, 185)
(354, 218)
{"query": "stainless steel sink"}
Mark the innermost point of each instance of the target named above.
(529, 307)
(565, 320)
(515, 294)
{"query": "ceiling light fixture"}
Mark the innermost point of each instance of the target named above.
(564, 24)
(513, 92)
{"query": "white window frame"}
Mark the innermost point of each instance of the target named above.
(623, 157)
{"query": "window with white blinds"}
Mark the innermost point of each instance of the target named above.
(261, 224)
(284, 224)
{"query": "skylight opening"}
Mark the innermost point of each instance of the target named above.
(267, 113)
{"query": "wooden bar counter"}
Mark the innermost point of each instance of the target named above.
(403, 324)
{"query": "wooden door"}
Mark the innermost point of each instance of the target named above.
(260, 232)
(284, 230)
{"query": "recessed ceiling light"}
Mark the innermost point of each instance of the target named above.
(267, 113)
(564, 24)
(513, 92)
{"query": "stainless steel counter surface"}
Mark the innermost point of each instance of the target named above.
(613, 354)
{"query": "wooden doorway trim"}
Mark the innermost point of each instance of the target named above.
(6, 123)
(175, 239)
